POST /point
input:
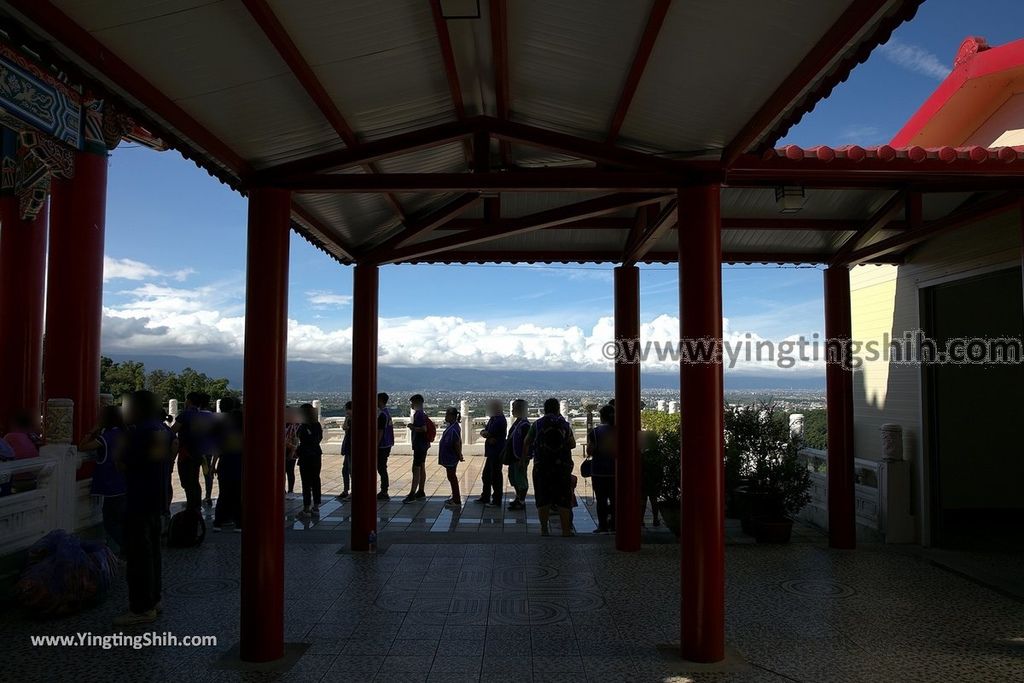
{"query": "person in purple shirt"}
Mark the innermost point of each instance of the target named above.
(148, 444)
(494, 434)
(420, 446)
(520, 459)
(385, 441)
(195, 427)
(107, 481)
(449, 454)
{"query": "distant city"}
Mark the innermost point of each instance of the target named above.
(332, 404)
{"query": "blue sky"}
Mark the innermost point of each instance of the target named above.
(176, 250)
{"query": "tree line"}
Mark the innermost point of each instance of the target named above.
(124, 377)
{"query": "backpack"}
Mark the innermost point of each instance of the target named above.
(186, 529)
(552, 446)
(430, 427)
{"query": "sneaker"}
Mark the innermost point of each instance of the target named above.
(482, 501)
(516, 505)
(343, 495)
(316, 510)
(420, 495)
(133, 619)
(303, 514)
(383, 496)
(493, 505)
(409, 499)
(453, 503)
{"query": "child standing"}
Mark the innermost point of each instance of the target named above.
(450, 454)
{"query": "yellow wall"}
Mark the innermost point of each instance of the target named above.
(886, 299)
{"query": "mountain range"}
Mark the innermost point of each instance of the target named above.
(308, 376)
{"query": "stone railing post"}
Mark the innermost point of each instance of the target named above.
(673, 407)
(563, 408)
(467, 423)
(796, 425)
(172, 407)
(316, 408)
(60, 414)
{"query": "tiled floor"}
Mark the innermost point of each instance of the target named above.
(556, 610)
(494, 606)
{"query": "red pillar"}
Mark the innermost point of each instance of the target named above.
(627, 409)
(842, 532)
(266, 340)
(74, 293)
(22, 283)
(364, 402)
(702, 537)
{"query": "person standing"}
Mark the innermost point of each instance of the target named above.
(148, 445)
(449, 454)
(385, 440)
(494, 434)
(310, 455)
(601, 450)
(291, 443)
(194, 427)
(346, 452)
(420, 446)
(229, 470)
(553, 441)
(518, 457)
(107, 480)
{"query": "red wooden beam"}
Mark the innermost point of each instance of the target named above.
(366, 152)
(666, 220)
(601, 152)
(499, 49)
(444, 40)
(896, 205)
(451, 71)
(636, 70)
(421, 227)
(604, 256)
(536, 221)
(815, 63)
(75, 41)
(967, 215)
(268, 22)
(618, 223)
(511, 181)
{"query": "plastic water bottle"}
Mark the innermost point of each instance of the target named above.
(372, 542)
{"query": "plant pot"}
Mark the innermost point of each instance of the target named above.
(772, 529)
(752, 504)
(669, 510)
(732, 504)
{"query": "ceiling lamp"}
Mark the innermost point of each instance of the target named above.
(790, 198)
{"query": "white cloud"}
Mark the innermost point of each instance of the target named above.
(321, 299)
(860, 134)
(914, 58)
(129, 269)
(208, 321)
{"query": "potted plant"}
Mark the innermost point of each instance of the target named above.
(778, 483)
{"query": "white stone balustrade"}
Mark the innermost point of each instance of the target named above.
(58, 500)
